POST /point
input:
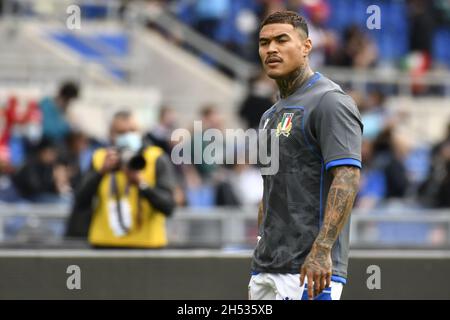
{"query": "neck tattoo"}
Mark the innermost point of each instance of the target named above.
(293, 81)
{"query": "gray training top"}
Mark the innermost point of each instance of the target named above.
(318, 127)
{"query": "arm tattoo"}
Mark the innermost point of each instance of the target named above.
(340, 201)
(294, 80)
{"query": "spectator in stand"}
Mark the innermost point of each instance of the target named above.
(200, 189)
(375, 116)
(421, 26)
(77, 155)
(391, 151)
(128, 192)
(8, 192)
(325, 41)
(422, 22)
(358, 51)
(160, 136)
(56, 127)
(21, 128)
(384, 175)
(210, 14)
(259, 99)
(43, 178)
(161, 133)
(207, 183)
(373, 180)
(435, 192)
(211, 118)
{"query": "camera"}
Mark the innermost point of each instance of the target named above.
(132, 160)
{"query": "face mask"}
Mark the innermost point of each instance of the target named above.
(131, 141)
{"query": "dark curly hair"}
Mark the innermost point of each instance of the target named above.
(289, 17)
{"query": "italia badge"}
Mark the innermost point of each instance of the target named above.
(285, 125)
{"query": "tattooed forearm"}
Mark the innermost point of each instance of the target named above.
(294, 80)
(340, 201)
(318, 264)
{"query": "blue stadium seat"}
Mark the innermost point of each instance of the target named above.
(118, 44)
(99, 48)
(77, 44)
(392, 39)
(393, 44)
(440, 46)
(184, 11)
(94, 11)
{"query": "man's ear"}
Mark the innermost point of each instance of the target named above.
(307, 47)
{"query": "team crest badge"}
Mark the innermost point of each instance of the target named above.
(285, 125)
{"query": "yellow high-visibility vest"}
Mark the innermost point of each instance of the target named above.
(150, 232)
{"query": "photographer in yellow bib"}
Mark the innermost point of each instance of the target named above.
(130, 189)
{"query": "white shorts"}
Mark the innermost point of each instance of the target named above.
(275, 286)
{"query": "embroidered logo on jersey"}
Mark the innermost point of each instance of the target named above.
(285, 125)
